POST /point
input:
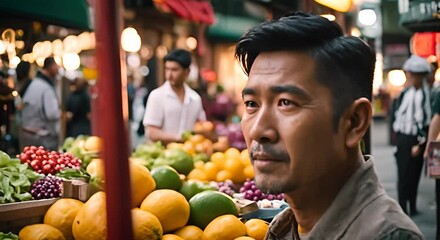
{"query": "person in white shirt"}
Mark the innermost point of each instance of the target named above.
(174, 107)
(412, 119)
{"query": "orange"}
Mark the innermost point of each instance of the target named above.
(91, 220)
(207, 205)
(189, 147)
(190, 232)
(244, 238)
(249, 172)
(196, 139)
(93, 144)
(223, 175)
(169, 206)
(210, 170)
(197, 174)
(235, 167)
(40, 232)
(166, 178)
(61, 215)
(224, 227)
(142, 183)
(244, 157)
(232, 153)
(171, 237)
(199, 165)
(218, 158)
(256, 228)
(146, 226)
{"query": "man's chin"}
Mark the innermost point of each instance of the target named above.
(269, 184)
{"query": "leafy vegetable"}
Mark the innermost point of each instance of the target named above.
(16, 179)
(8, 236)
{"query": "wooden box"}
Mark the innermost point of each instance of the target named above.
(14, 216)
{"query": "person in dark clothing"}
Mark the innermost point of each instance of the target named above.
(24, 78)
(412, 118)
(78, 110)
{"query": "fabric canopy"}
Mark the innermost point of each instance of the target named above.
(66, 13)
(192, 10)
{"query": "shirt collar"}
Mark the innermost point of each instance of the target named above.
(363, 184)
(189, 94)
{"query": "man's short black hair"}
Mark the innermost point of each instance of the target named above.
(48, 62)
(181, 56)
(344, 64)
(23, 69)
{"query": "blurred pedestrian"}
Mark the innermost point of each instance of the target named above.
(174, 107)
(307, 109)
(433, 134)
(412, 118)
(41, 109)
(78, 109)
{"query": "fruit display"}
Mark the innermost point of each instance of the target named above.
(48, 162)
(180, 191)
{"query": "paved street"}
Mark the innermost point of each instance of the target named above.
(386, 168)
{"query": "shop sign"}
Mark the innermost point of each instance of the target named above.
(420, 15)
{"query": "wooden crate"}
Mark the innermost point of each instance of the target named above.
(14, 216)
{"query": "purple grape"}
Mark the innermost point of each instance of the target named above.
(48, 187)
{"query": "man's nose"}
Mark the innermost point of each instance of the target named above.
(263, 128)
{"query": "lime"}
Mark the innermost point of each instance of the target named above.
(166, 178)
(207, 205)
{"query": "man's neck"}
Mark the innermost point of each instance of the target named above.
(310, 203)
(180, 91)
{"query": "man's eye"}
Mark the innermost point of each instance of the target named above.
(285, 102)
(250, 104)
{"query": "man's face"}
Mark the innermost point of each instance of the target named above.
(53, 70)
(175, 73)
(288, 125)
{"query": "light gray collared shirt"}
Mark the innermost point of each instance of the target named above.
(361, 210)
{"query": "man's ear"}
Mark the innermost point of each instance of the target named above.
(358, 120)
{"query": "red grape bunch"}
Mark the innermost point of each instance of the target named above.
(48, 187)
(48, 162)
(251, 192)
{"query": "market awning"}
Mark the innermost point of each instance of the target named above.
(230, 28)
(193, 10)
(66, 13)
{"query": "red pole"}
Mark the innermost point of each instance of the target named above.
(113, 116)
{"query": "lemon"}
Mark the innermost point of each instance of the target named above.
(256, 228)
(225, 227)
(61, 215)
(249, 172)
(91, 220)
(232, 153)
(210, 170)
(169, 206)
(219, 158)
(142, 183)
(171, 237)
(244, 238)
(207, 205)
(146, 226)
(190, 232)
(223, 175)
(93, 144)
(197, 174)
(166, 177)
(40, 232)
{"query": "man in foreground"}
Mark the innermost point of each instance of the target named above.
(307, 110)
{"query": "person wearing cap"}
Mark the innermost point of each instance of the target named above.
(412, 118)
